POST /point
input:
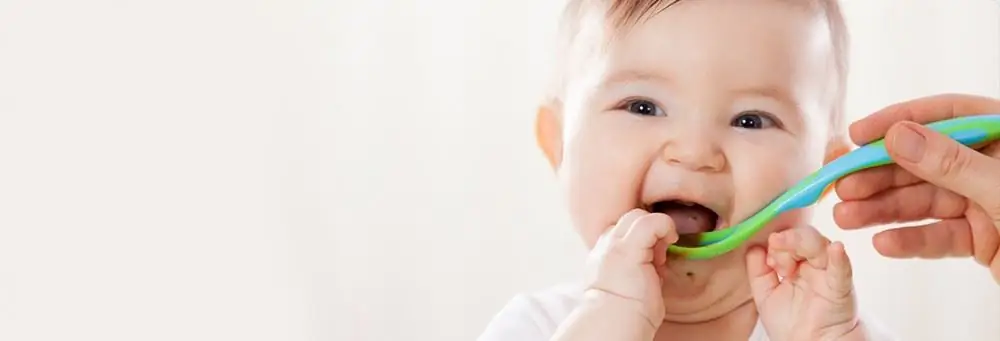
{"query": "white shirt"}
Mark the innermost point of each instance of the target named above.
(536, 316)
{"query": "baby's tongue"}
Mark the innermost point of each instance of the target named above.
(690, 220)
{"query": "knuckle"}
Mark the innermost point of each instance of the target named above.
(645, 225)
(618, 248)
(953, 162)
(628, 216)
(604, 241)
(637, 211)
(848, 273)
(947, 204)
(786, 259)
(809, 232)
(775, 252)
(637, 225)
(846, 269)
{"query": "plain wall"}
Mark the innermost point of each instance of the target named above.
(353, 170)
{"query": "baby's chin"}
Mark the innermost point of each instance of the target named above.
(702, 290)
(695, 291)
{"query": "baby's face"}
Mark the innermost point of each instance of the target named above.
(720, 103)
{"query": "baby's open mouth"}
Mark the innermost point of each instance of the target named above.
(688, 217)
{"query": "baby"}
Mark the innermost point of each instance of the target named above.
(679, 117)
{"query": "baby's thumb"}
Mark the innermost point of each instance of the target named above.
(840, 277)
(942, 161)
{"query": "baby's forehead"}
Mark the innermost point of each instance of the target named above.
(729, 39)
(589, 27)
(622, 14)
(741, 39)
(661, 37)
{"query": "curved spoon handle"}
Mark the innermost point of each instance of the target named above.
(969, 131)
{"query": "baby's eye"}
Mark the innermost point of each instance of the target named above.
(643, 107)
(753, 120)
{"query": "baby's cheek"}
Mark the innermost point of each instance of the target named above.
(597, 196)
(602, 170)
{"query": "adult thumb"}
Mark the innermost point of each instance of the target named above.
(942, 161)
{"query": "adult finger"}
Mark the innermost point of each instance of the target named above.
(911, 203)
(985, 238)
(921, 110)
(763, 279)
(946, 238)
(946, 163)
(868, 182)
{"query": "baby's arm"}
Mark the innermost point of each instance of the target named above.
(604, 316)
(536, 317)
(624, 301)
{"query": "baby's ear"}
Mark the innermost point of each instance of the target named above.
(548, 133)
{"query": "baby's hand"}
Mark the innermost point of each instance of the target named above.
(625, 261)
(814, 300)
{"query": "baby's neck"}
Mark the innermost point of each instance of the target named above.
(735, 325)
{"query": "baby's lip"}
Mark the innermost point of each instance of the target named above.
(722, 224)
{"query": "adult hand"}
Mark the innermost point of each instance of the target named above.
(934, 178)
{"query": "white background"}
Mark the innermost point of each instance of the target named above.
(363, 170)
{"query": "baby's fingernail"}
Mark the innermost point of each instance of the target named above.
(770, 261)
(672, 238)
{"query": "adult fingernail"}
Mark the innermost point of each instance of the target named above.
(908, 143)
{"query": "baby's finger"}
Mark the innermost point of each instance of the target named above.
(783, 262)
(780, 256)
(910, 203)
(649, 229)
(762, 277)
(660, 252)
(839, 274)
(626, 221)
(804, 243)
(866, 183)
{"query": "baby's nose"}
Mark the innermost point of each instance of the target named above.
(697, 153)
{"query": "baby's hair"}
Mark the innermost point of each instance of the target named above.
(618, 16)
